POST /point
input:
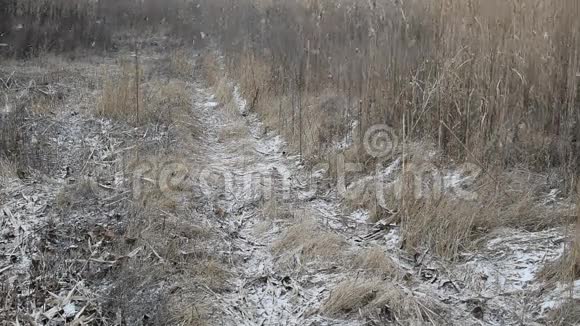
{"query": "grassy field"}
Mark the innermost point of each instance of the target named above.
(489, 88)
(491, 83)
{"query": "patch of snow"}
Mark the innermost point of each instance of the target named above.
(239, 100)
(561, 294)
(393, 239)
(551, 197)
(69, 310)
(211, 104)
(360, 216)
(515, 257)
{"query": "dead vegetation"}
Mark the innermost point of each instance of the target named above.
(567, 268)
(180, 63)
(109, 248)
(307, 242)
(119, 99)
(445, 73)
(128, 98)
(499, 91)
(458, 83)
(381, 302)
(7, 171)
(374, 261)
(567, 314)
(31, 28)
(435, 79)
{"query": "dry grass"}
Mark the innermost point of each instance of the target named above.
(568, 314)
(439, 68)
(167, 103)
(567, 268)
(44, 105)
(188, 315)
(322, 116)
(309, 242)
(11, 142)
(446, 227)
(162, 217)
(184, 254)
(374, 261)
(145, 242)
(562, 270)
(7, 171)
(182, 248)
(119, 98)
(160, 102)
(20, 111)
(449, 225)
(211, 70)
(33, 27)
(224, 91)
(180, 63)
(235, 130)
(363, 194)
(448, 219)
(351, 296)
(455, 75)
(381, 301)
(80, 193)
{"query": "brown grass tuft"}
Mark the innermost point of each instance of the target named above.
(77, 194)
(190, 316)
(382, 302)
(224, 92)
(374, 261)
(352, 295)
(567, 314)
(7, 171)
(310, 242)
(159, 102)
(119, 98)
(180, 63)
(167, 103)
(211, 70)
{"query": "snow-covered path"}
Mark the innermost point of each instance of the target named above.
(249, 178)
